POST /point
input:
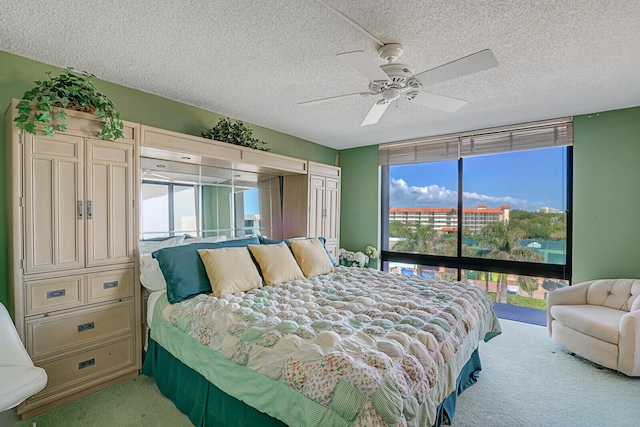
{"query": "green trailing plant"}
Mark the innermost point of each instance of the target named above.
(67, 90)
(234, 133)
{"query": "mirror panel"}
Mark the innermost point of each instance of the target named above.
(199, 200)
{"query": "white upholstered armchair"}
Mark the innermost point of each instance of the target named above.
(600, 321)
(19, 378)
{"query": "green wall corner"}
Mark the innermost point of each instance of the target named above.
(359, 200)
(606, 195)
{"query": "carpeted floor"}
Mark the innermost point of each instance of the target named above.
(526, 381)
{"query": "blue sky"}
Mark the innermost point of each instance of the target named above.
(251, 206)
(526, 180)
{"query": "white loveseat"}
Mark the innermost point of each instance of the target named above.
(600, 321)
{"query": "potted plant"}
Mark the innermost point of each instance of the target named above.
(234, 133)
(68, 90)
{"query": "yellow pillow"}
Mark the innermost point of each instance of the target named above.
(311, 257)
(276, 263)
(230, 270)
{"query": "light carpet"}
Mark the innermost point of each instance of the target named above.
(526, 380)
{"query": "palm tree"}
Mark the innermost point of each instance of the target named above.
(421, 238)
(416, 237)
(501, 241)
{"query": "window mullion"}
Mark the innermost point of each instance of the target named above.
(171, 213)
(460, 213)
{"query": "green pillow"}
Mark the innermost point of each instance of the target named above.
(183, 270)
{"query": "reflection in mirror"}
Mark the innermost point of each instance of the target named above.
(204, 201)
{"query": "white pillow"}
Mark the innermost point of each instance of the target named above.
(149, 246)
(150, 274)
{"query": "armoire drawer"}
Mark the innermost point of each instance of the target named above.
(110, 285)
(64, 332)
(54, 294)
(79, 369)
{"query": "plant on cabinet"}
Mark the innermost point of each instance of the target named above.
(68, 90)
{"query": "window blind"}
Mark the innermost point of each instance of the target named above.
(530, 136)
(419, 151)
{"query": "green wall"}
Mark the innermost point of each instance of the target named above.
(360, 194)
(17, 75)
(606, 202)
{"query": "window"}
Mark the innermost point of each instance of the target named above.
(494, 205)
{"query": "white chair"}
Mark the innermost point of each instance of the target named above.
(600, 321)
(19, 378)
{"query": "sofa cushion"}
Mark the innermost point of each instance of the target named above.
(593, 320)
(614, 293)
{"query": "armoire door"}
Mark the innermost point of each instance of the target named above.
(332, 209)
(108, 196)
(316, 206)
(53, 203)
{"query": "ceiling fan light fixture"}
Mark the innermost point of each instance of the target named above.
(391, 94)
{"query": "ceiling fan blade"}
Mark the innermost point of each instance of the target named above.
(331, 98)
(376, 111)
(362, 63)
(473, 63)
(438, 102)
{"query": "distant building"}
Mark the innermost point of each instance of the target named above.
(548, 210)
(446, 219)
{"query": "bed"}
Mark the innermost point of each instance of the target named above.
(347, 347)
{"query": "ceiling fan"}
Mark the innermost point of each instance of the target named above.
(394, 80)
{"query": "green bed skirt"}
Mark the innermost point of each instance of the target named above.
(206, 405)
(467, 378)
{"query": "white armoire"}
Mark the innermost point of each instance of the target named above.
(311, 205)
(71, 232)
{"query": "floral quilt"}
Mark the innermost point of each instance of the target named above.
(366, 344)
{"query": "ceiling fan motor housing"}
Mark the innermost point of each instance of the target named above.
(399, 78)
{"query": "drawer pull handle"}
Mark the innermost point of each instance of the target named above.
(109, 285)
(79, 209)
(86, 363)
(89, 210)
(85, 326)
(56, 293)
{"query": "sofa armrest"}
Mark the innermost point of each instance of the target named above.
(629, 344)
(572, 295)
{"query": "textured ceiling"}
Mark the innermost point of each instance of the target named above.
(255, 60)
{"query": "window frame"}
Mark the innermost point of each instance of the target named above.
(552, 271)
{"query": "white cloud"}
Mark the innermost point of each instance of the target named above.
(402, 195)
